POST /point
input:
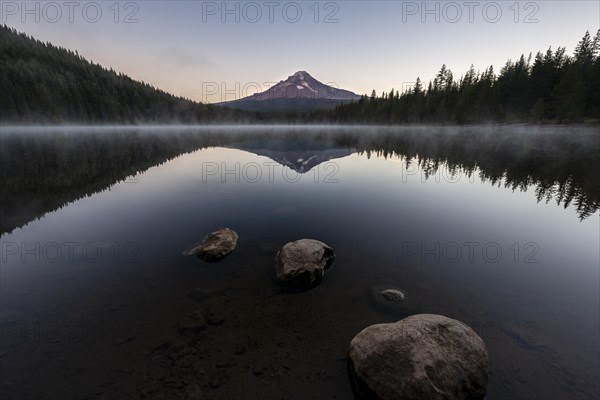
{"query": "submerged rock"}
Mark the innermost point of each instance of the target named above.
(424, 356)
(302, 263)
(393, 295)
(215, 318)
(216, 245)
(192, 322)
(389, 299)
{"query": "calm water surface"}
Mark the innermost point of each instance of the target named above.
(497, 227)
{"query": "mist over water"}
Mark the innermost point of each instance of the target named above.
(496, 226)
(555, 162)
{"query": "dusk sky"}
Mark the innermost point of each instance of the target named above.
(185, 48)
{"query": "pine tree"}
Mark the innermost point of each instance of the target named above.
(418, 89)
(586, 49)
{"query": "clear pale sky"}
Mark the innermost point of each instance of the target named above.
(185, 48)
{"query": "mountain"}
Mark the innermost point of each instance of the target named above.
(299, 92)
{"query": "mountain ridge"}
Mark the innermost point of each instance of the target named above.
(299, 92)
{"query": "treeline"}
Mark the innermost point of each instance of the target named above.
(42, 83)
(551, 87)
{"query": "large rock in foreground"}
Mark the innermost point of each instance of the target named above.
(424, 356)
(302, 263)
(216, 245)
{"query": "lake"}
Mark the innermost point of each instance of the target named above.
(495, 226)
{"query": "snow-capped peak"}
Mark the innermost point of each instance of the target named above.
(300, 75)
(301, 85)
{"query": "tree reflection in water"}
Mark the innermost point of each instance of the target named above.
(44, 171)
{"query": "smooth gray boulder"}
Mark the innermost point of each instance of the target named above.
(216, 245)
(302, 263)
(424, 356)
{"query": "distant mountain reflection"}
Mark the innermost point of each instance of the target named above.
(298, 154)
(42, 172)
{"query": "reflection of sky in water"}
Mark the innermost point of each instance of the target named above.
(373, 209)
(206, 189)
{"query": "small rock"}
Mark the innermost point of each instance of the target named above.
(216, 245)
(302, 263)
(390, 299)
(193, 321)
(393, 295)
(424, 356)
(215, 319)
